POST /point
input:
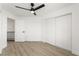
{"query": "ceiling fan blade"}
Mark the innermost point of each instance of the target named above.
(22, 8)
(39, 7)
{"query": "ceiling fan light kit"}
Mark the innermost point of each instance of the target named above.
(32, 10)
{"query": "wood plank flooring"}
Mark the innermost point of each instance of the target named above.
(33, 49)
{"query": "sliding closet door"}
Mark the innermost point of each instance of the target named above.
(63, 31)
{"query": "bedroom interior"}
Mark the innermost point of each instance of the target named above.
(39, 29)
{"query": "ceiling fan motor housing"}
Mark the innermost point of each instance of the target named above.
(32, 4)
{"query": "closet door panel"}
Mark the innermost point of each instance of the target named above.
(63, 31)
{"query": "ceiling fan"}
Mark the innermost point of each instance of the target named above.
(32, 10)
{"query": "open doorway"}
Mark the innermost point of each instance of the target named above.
(10, 29)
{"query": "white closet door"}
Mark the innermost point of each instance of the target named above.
(63, 32)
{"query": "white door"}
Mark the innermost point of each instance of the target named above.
(63, 32)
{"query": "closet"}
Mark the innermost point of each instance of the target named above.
(59, 31)
(63, 31)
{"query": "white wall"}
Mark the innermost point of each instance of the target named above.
(48, 30)
(3, 31)
(31, 27)
(74, 9)
(3, 27)
(10, 24)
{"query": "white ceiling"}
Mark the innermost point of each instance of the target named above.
(49, 7)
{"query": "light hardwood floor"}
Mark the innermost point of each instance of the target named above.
(33, 49)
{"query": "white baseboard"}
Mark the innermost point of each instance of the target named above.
(0, 51)
(76, 52)
(19, 40)
(5, 45)
(51, 43)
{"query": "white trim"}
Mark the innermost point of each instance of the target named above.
(0, 51)
(76, 52)
(3, 48)
(19, 40)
